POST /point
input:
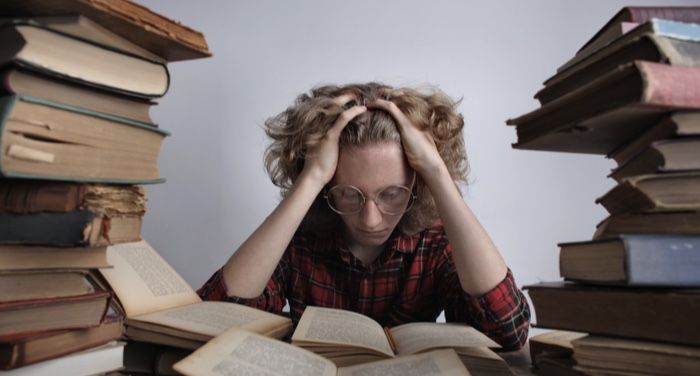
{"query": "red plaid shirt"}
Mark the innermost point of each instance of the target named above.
(414, 280)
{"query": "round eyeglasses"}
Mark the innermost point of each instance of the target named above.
(348, 200)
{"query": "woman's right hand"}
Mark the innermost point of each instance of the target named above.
(321, 160)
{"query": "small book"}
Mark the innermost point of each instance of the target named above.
(654, 193)
(665, 222)
(94, 361)
(34, 47)
(632, 16)
(666, 315)
(35, 315)
(49, 140)
(633, 260)
(151, 358)
(24, 349)
(14, 258)
(43, 285)
(165, 37)
(240, 352)
(554, 344)
(349, 338)
(611, 110)
(23, 82)
(661, 41)
(677, 124)
(160, 307)
(597, 354)
(682, 154)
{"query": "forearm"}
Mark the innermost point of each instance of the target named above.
(480, 266)
(247, 271)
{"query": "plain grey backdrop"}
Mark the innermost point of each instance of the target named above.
(493, 54)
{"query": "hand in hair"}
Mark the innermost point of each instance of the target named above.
(419, 145)
(321, 161)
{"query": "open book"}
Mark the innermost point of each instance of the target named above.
(160, 307)
(238, 352)
(349, 338)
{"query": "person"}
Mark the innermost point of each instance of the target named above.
(372, 218)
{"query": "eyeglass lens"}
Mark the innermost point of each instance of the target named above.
(346, 199)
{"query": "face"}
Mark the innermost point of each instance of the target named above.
(372, 168)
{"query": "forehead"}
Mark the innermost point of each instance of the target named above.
(372, 167)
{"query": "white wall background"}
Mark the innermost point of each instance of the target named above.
(494, 54)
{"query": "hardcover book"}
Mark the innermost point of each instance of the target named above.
(673, 155)
(665, 222)
(657, 192)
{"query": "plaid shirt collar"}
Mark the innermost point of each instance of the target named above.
(397, 245)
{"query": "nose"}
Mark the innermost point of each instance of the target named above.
(370, 215)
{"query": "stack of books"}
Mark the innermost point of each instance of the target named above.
(76, 142)
(632, 93)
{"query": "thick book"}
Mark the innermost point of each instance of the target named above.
(677, 124)
(24, 349)
(661, 41)
(35, 315)
(165, 37)
(602, 115)
(633, 260)
(22, 82)
(672, 155)
(349, 338)
(665, 222)
(35, 196)
(160, 307)
(37, 48)
(631, 16)
(74, 229)
(25, 285)
(608, 355)
(98, 360)
(49, 140)
(667, 315)
(656, 192)
(14, 258)
(241, 352)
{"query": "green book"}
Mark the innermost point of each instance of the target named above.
(43, 139)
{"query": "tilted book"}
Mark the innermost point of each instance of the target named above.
(672, 155)
(655, 192)
(664, 222)
(49, 140)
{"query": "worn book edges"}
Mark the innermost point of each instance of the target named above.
(672, 155)
(238, 351)
(596, 354)
(632, 16)
(677, 124)
(72, 312)
(49, 140)
(160, 307)
(637, 313)
(37, 48)
(164, 37)
(602, 115)
(24, 349)
(652, 193)
(554, 344)
(98, 360)
(349, 338)
(657, 260)
(665, 222)
(661, 41)
(26, 285)
(23, 82)
(15, 258)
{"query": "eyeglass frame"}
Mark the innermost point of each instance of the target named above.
(412, 198)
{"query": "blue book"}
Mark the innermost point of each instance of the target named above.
(634, 260)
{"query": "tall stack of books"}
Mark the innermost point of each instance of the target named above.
(76, 141)
(632, 93)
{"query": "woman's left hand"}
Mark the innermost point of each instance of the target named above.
(419, 146)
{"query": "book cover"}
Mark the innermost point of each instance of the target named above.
(655, 192)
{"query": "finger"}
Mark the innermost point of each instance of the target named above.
(342, 100)
(392, 109)
(344, 118)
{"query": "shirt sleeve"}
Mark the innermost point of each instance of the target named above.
(272, 298)
(502, 313)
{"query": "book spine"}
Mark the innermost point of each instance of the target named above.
(659, 260)
(72, 228)
(666, 85)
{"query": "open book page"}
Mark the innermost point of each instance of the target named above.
(336, 326)
(143, 281)
(238, 352)
(439, 362)
(209, 319)
(420, 336)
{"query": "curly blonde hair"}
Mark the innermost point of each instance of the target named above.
(302, 125)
